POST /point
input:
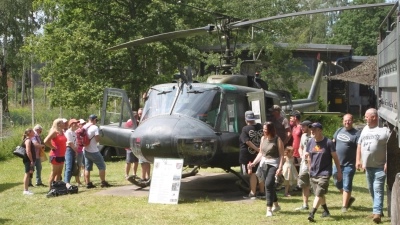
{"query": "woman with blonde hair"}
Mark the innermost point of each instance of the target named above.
(29, 159)
(57, 142)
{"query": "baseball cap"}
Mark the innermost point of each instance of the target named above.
(71, 121)
(249, 116)
(92, 117)
(64, 120)
(316, 125)
(275, 108)
(295, 113)
(306, 123)
(82, 121)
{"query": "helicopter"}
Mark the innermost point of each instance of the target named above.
(201, 122)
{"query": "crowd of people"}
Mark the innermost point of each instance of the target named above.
(67, 152)
(296, 150)
(307, 159)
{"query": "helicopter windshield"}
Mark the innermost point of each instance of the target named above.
(160, 99)
(200, 102)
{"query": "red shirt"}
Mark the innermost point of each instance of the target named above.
(296, 134)
(61, 143)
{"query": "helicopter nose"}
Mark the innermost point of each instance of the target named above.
(173, 136)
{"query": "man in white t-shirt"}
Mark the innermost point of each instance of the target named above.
(371, 157)
(93, 155)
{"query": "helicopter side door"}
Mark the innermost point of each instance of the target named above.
(117, 120)
(259, 103)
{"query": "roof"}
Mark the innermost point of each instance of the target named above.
(365, 73)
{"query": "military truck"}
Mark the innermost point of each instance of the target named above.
(388, 92)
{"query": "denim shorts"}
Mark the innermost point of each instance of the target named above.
(96, 158)
(347, 177)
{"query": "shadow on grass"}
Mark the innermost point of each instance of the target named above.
(3, 221)
(6, 186)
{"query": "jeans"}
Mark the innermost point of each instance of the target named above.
(270, 191)
(347, 178)
(376, 182)
(69, 163)
(38, 167)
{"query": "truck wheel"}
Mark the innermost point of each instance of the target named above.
(395, 201)
(107, 154)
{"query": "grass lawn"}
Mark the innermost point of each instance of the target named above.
(86, 208)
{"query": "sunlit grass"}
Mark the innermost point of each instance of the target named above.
(87, 208)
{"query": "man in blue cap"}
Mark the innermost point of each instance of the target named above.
(93, 155)
(320, 151)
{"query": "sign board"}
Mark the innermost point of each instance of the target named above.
(256, 108)
(166, 181)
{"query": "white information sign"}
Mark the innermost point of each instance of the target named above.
(255, 107)
(166, 181)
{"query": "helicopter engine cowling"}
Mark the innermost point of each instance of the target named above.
(175, 136)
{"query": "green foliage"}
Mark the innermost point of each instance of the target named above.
(359, 28)
(329, 123)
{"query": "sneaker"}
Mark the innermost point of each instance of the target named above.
(31, 185)
(276, 208)
(325, 214)
(303, 207)
(90, 185)
(311, 217)
(269, 213)
(105, 184)
(28, 192)
(351, 201)
(287, 195)
(260, 195)
(250, 196)
(40, 185)
(344, 209)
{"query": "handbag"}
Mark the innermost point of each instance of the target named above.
(75, 169)
(20, 152)
(42, 155)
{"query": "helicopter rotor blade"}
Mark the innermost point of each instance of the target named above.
(166, 36)
(315, 11)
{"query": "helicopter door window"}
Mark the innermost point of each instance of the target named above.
(229, 116)
(113, 109)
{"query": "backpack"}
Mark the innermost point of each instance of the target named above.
(83, 137)
(58, 188)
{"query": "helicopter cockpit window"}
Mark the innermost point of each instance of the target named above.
(159, 101)
(117, 110)
(201, 103)
(229, 116)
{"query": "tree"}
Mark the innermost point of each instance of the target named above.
(359, 28)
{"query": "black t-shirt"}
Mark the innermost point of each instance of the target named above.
(252, 133)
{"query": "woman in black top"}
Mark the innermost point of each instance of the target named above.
(29, 160)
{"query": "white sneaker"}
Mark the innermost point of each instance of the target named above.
(269, 213)
(28, 192)
(276, 209)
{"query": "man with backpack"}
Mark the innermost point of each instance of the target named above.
(92, 153)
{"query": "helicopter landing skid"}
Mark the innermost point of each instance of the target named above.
(242, 184)
(139, 182)
(194, 171)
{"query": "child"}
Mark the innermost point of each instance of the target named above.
(289, 170)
